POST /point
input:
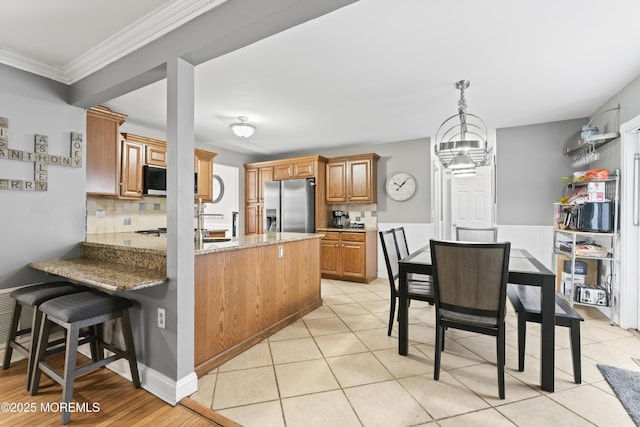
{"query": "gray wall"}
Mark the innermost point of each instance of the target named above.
(403, 156)
(45, 224)
(530, 164)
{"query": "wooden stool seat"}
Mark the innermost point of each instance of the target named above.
(31, 296)
(526, 302)
(75, 311)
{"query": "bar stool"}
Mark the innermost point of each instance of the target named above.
(32, 296)
(72, 312)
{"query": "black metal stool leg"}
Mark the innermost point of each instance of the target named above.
(13, 329)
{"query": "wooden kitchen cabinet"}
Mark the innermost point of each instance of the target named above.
(204, 168)
(255, 177)
(349, 255)
(132, 160)
(103, 151)
(294, 169)
(253, 219)
(352, 179)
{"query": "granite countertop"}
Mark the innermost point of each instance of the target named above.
(130, 261)
(102, 274)
(350, 230)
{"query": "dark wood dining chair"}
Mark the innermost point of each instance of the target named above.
(485, 235)
(470, 287)
(403, 251)
(422, 291)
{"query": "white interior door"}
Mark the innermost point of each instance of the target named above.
(472, 199)
(628, 299)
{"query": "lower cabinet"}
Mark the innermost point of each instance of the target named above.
(349, 255)
(253, 223)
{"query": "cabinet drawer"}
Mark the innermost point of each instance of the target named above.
(331, 235)
(303, 169)
(353, 237)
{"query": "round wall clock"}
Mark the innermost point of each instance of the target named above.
(401, 186)
(218, 188)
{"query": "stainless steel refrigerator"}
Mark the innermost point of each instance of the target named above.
(290, 206)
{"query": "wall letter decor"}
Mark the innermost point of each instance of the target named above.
(40, 158)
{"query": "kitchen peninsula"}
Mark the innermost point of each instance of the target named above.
(246, 288)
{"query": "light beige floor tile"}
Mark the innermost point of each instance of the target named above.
(358, 369)
(378, 306)
(337, 299)
(422, 334)
(295, 330)
(256, 415)
(323, 312)
(330, 408)
(326, 326)
(444, 398)
(597, 406)
(363, 322)
(256, 356)
(350, 287)
(603, 353)
(483, 380)
(371, 403)
(541, 411)
(455, 355)
(349, 309)
(244, 387)
(327, 289)
(377, 339)
(206, 386)
(629, 345)
(295, 350)
(366, 296)
(340, 344)
(487, 417)
(415, 363)
(312, 376)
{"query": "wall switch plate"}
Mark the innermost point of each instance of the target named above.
(162, 320)
(127, 221)
(280, 252)
(101, 213)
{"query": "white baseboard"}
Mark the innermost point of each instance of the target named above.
(154, 382)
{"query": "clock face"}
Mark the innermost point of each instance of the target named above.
(218, 188)
(401, 186)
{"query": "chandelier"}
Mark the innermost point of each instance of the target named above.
(461, 140)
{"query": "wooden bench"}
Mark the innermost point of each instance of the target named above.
(526, 302)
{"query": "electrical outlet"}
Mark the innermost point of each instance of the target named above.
(162, 320)
(280, 252)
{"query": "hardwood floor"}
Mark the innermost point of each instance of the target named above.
(103, 398)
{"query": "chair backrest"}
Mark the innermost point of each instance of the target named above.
(484, 235)
(401, 242)
(389, 248)
(471, 278)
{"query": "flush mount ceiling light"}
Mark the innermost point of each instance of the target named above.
(242, 129)
(461, 140)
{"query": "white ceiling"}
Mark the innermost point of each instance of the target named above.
(372, 72)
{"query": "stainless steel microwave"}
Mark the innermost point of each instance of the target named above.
(154, 181)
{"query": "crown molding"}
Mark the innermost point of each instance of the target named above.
(140, 33)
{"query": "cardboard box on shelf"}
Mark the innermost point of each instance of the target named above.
(589, 266)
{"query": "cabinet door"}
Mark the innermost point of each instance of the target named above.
(265, 174)
(303, 169)
(251, 185)
(204, 168)
(353, 259)
(103, 153)
(359, 181)
(330, 256)
(336, 185)
(131, 174)
(282, 171)
(251, 219)
(156, 155)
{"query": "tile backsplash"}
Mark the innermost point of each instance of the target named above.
(367, 213)
(121, 216)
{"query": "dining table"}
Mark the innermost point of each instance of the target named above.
(524, 269)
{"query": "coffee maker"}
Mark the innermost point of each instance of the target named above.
(340, 219)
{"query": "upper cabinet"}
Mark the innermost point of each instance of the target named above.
(352, 179)
(204, 168)
(131, 169)
(294, 168)
(103, 151)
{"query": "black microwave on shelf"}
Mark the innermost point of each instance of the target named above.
(154, 181)
(595, 216)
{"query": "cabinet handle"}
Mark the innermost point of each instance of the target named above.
(636, 184)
